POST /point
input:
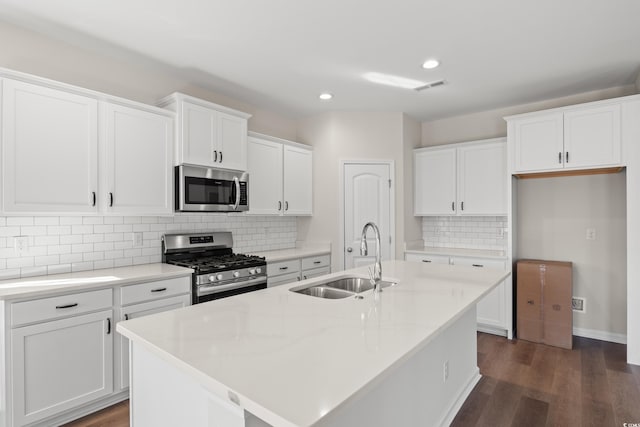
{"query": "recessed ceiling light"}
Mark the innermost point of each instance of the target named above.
(389, 80)
(326, 96)
(430, 64)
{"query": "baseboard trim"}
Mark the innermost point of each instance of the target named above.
(600, 335)
(462, 396)
(81, 411)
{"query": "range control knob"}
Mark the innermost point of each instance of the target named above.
(252, 271)
(258, 270)
(219, 276)
(212, 278)
(236, 274)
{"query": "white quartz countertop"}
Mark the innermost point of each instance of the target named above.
(287, 254)
(292, 358)
(482, 253)
(55, 283)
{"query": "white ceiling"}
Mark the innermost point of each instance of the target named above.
(282, 53)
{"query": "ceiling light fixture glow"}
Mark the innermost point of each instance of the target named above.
(396, 81)
(325, 96)
(430, 64)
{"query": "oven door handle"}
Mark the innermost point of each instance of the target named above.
(212, 289)
(237, 183)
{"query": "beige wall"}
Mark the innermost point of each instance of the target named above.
(412, 225)
(490, 124)
(118, 72)
(340, 136)
(553, 215)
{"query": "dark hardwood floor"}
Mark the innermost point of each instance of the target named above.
(524, 384)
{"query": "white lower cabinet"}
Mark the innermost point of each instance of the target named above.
(60, 364)
(296, 269)
(494, 315)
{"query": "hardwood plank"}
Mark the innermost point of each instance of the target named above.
(595, 386)
(472, 409)
(502, 405)
(597, 414)
(625, 396)
(530, 413)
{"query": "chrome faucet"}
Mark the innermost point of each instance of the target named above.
(377, 268)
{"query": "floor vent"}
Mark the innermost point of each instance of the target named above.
(578, 304)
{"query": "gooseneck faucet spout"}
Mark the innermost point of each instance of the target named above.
(377, 268)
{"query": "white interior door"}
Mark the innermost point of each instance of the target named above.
(367, 198)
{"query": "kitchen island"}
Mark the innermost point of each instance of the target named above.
(406, 356)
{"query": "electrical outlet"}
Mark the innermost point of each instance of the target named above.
(137, 239)
(591, 234)
(20, 244)
(579, 304)
(445, 371)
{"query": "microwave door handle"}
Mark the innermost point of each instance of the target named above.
(237, 183)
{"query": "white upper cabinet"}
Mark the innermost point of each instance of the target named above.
(461, 179)
(130, 185)
(208, 134)
(298, 177)
(580, 137)
(50, 144)
(280, 177)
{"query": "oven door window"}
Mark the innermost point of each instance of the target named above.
(204, 191)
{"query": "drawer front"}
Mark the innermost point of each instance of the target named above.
(283, 267)
(315, 262)
(316, 272)
(427, 258)
(283, 279)
(154, 290)
(60, 306)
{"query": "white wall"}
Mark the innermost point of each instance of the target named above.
(340, 136)
(118, 72)
(411, 133)
(552, 217)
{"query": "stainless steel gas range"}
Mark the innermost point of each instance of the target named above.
(218, 272)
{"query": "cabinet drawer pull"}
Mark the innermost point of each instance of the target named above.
(215, 156)
(108, 325)
(75, 304)
(477, 265)
(284, 268)
(126, 317)
(317, 262)
(559, 157)
(426, 260)
(159, 290)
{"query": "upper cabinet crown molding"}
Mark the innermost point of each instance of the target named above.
(68, 150)
(578, 137)
(208, 134)
(461, 179)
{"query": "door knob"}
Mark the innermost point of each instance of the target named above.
(349, 249)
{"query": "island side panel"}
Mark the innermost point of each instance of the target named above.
(162, 396)
(416, 392)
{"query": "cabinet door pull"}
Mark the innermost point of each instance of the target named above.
(453, 206)
(317, 262)
(461, 205)
(305, 277)
(477, 265)
(221, 157)
(126, 317)
(159, 290)
(75, 304)
(298, 278)
(530, 301)
(559, 157)
(110, 199)
(279, 205)
(284, 268)
(286, 206)
(566, 157)
(215, 156)
(93, 198)
(108, 325)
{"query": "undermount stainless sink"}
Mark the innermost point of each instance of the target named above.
(342, 287)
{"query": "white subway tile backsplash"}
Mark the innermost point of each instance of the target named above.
(464, 232)
(75, 243)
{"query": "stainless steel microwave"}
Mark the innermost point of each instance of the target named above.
(203, 189)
